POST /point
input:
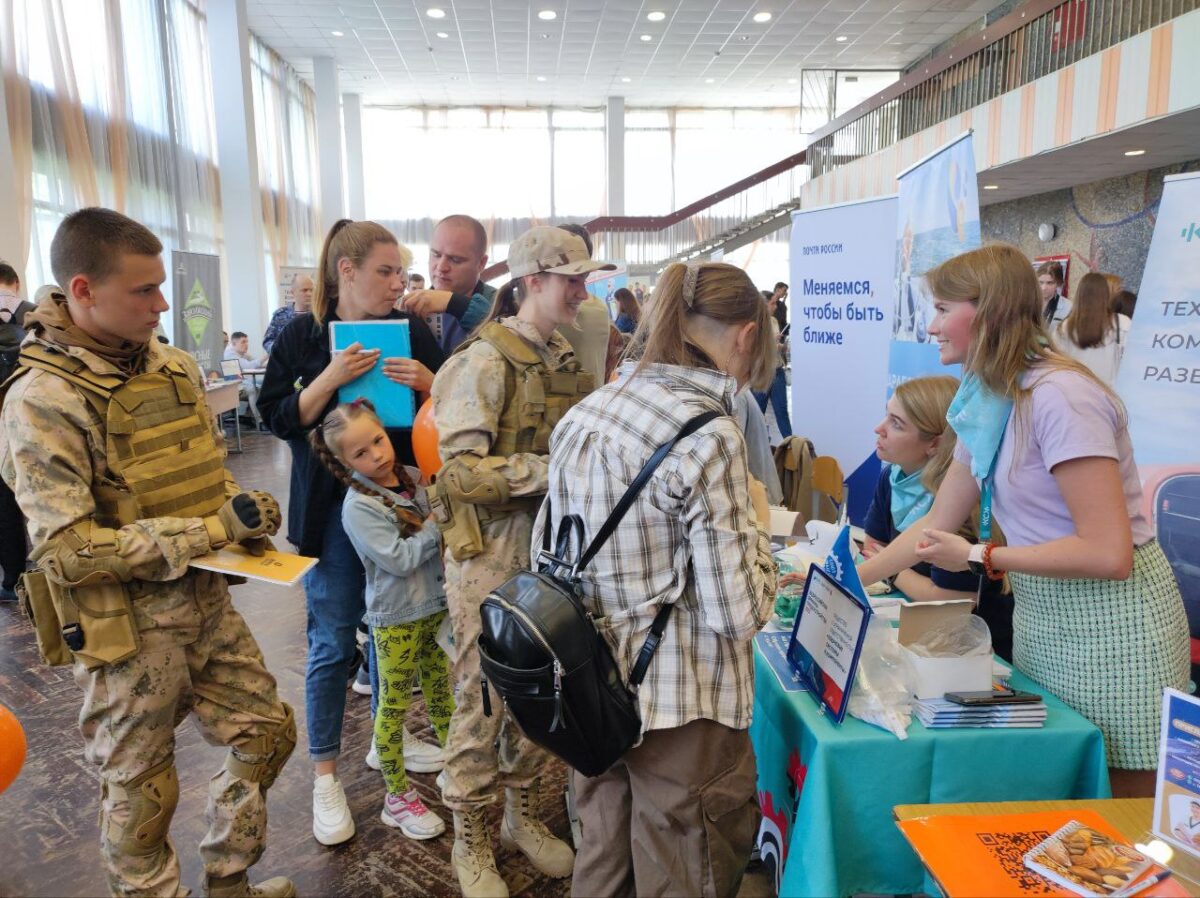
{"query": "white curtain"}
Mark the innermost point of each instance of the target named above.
(286, 131)
(114, 108)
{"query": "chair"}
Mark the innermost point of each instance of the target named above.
(814, 496)
(829, 488)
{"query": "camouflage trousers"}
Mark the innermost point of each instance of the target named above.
(475, 765)
(200, 658)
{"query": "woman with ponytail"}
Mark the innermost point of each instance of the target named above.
(361, 273)
(1098, 619)
(694, 539)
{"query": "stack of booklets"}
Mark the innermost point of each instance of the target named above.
(937, 713)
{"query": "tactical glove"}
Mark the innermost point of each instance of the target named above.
(245, 516)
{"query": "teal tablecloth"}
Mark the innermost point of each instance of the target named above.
(827, 792)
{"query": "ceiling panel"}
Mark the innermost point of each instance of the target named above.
(495, 49)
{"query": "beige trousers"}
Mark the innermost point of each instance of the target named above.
(483, 752)
(675, 816)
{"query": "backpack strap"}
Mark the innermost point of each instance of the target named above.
(659, 625)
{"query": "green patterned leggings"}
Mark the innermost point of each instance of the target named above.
(402, 653)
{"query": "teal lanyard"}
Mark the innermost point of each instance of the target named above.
(985, 503)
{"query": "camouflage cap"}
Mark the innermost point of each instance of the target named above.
(553, 250)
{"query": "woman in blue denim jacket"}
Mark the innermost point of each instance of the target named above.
(386, 516)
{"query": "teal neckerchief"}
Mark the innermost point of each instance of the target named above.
(979, 417)
(910, 499)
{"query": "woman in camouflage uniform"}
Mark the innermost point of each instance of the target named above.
(495, 402)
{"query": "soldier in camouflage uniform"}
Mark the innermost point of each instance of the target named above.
(119, 469)
(495, 402)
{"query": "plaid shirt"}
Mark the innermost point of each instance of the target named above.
(689, 538)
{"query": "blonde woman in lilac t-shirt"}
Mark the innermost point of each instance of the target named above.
(1098, 618)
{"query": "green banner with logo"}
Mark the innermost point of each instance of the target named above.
(197, 307)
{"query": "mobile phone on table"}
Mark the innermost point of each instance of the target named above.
(993, 697)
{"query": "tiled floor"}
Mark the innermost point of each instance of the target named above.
(49, 813)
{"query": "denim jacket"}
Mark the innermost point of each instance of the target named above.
(405, 581)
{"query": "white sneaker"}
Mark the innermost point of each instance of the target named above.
(421, 757)
(408, 814)
(332, 822)
(373, 758)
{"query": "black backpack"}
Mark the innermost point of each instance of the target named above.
(542, 653)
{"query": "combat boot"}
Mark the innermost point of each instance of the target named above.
(238, 886)
(472, 857)
(521, 829)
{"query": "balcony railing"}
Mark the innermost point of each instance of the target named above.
(1037, 38)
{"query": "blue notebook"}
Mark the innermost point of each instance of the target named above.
(393, 402)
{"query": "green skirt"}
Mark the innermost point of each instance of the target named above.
(1107, 648)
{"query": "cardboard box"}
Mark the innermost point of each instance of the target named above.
(937, 676)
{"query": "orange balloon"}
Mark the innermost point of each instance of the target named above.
(12, 747)
(425, 440)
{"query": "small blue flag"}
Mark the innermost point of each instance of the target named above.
(840, 564)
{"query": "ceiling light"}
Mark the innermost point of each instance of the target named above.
(434, 13)
(442, 35)
(545, 35)
(647, 37)
(791, 80)
(338, 33)
(626, 80)
(541, 77)
(743, 37)
(1135, 152)
(841, 38)
(656, 16)
(761, 17)
(547, 15)
(991, 187)
(709, 80)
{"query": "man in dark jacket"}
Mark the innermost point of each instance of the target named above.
(13, 551)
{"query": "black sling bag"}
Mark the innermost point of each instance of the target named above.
(541, 651)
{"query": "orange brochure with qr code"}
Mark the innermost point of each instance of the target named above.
(984, 856)
(280, 568)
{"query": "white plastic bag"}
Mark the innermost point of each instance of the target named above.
(961, 637)
(885, 682)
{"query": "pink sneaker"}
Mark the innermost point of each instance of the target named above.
(409, 815)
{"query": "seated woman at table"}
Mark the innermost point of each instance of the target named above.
(1098, 618)
(918, 445)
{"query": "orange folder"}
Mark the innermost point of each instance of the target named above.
(983, 856)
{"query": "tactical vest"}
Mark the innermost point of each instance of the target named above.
(536, 398)
(163, 459)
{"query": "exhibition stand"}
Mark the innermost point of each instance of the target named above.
(827, 791)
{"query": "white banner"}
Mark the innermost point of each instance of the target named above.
(842, 268)
(1159, 382)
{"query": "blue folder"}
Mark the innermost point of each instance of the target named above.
(393, 402)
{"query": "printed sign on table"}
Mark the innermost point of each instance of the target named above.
(831, 624)
(1177, 793)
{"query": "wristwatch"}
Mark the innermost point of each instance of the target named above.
(975, 559)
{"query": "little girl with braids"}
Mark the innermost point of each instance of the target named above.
(386, 516)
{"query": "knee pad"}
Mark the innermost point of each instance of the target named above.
(152, 798)
(275, 748)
